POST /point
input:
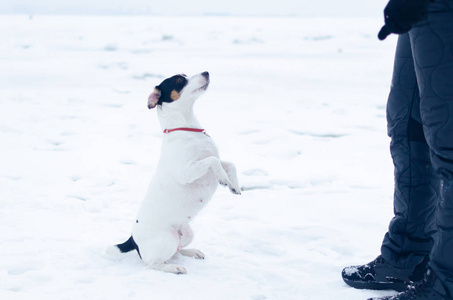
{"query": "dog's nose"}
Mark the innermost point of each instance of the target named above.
(205, 74)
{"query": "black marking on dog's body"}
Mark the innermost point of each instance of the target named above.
(169, 86)
(129, 245)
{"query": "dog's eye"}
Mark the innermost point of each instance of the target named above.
(179, 80)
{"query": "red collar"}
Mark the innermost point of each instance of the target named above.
(184, 129)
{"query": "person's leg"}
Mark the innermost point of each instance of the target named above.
(432, 45)
(409, 238)
(433, 53)
(408, 242)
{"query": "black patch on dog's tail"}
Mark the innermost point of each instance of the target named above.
(129, 245)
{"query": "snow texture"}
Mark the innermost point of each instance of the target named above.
(298, 104)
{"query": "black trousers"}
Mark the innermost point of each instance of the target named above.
(420, 124)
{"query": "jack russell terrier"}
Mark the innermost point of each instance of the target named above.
(186, 177)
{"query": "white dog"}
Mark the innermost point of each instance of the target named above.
(187, 176)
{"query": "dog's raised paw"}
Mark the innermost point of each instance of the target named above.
(235, 191)
(223, 183)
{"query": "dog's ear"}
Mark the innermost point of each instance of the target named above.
(153, 98)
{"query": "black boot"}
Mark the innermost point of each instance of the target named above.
(380, 275)
(430, 288)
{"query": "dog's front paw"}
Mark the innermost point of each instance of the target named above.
(234, 188)
(223, 183)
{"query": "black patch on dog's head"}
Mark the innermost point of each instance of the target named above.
(170, 88)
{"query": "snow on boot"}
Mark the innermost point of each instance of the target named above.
(380, 275)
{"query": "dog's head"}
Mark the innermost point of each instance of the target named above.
(180, 89)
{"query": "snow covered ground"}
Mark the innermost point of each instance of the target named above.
(298, 104)
(267, 8)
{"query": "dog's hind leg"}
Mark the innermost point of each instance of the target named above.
(185, 238)
(158, 249)
(194, 253)
(169, 268)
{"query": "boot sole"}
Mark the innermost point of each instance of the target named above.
(365, 285)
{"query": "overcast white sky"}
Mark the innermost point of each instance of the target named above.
(351, 8)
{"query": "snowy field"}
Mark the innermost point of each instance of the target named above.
(297, 104)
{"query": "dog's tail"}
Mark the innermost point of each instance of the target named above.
(127, 246)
